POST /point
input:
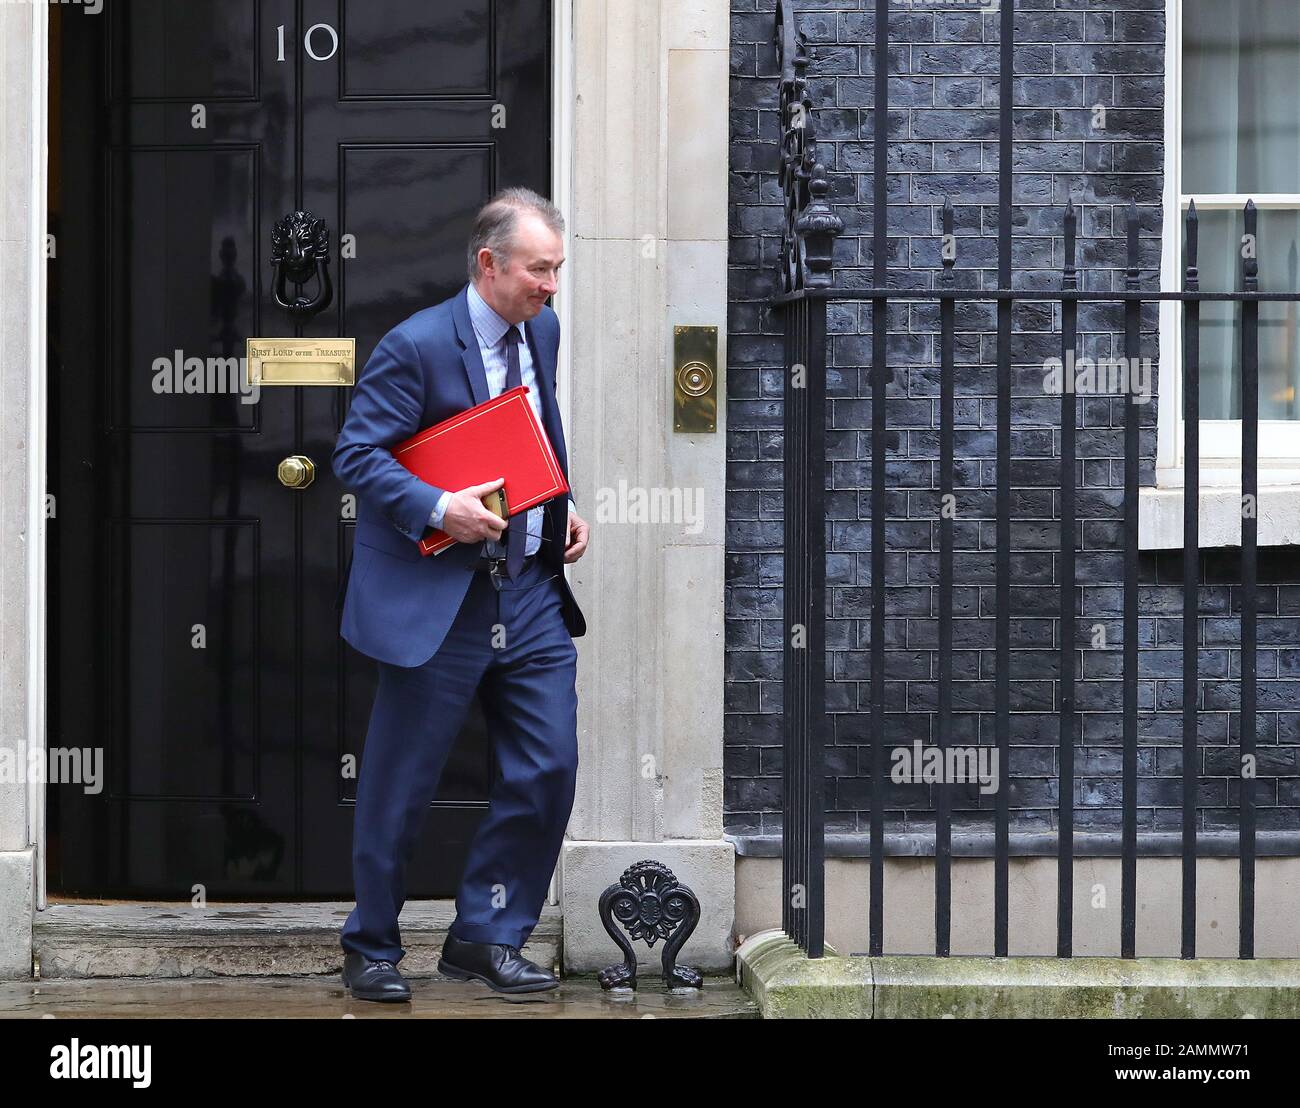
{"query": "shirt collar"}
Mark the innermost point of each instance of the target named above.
(489, 326)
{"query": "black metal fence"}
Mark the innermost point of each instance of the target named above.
(810, 227)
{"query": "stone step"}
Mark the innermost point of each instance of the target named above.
(325, 998)
(238, 939)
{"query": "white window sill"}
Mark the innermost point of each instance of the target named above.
(1160, 516)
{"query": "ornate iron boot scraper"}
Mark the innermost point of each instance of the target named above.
(652, 904)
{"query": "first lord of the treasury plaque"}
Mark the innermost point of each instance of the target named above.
(292, 361)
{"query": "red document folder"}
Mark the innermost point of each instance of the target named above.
(498, 438)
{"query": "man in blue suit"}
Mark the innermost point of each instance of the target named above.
(493, 611)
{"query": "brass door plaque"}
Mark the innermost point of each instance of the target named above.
(695, 379)
(302, 361)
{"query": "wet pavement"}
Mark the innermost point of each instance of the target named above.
(323, 997)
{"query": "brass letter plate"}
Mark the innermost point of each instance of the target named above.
(302, 361)
(695, 379)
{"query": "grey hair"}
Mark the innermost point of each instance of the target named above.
(495, 224)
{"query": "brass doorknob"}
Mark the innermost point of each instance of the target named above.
(296, 472)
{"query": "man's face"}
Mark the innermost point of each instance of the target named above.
(517, 287)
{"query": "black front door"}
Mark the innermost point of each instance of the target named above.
(193, 624)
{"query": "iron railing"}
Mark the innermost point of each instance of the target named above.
(806, 274)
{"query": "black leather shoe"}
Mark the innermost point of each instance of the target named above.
(498, 965)
(373, 980)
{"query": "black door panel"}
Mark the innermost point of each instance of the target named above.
(194, 633)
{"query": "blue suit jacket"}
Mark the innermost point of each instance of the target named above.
(399, 603)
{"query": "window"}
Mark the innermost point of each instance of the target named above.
(1233, 133)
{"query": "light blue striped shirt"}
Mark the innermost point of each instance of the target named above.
(490, 330)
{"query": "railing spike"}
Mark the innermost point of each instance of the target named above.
(1193, 242)
(1069, 277)
(1250, 251)
(948, 256)
(1134, 270)
(817, 225)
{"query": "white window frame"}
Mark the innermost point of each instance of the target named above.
(1279, 440)
(1160, 508)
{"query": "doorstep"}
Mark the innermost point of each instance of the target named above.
(325, 998)
(237, 939)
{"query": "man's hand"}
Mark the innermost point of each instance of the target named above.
(466, 520)
(576, 541)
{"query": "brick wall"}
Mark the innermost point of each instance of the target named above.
(1072, 56)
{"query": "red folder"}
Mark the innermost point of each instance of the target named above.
(498, 438)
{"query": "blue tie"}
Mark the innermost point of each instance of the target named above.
(517, 531)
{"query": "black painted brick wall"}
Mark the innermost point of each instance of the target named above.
(1071, 56)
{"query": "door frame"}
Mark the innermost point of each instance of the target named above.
(37, 436)
(562, 83)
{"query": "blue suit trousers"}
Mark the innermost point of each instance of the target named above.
(515, 645)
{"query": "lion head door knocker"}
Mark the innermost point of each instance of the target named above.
(300, 252)
(652, 904)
